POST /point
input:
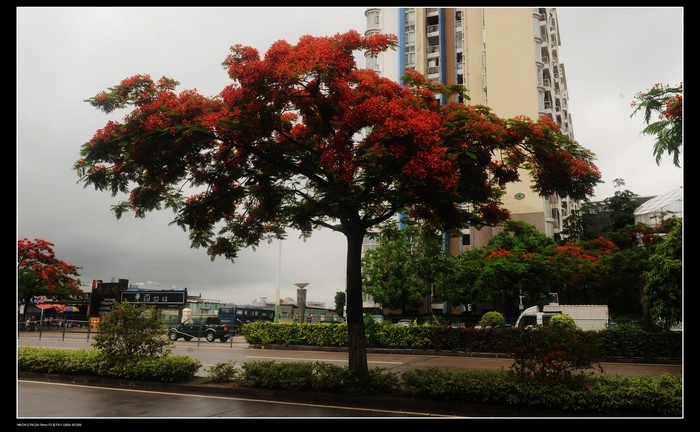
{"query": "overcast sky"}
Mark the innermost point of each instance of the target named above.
(66, 55)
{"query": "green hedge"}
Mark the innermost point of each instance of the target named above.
(170, 368)
(626, 342)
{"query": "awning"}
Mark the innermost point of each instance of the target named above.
(60, 307)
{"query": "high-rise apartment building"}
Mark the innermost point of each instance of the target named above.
(508, 60)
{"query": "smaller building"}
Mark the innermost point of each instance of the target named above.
(660, 207)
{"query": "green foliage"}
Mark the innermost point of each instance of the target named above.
(623, 340)
(512, 264)
(621, 207)
(563, 321)
(631, 341)
(667, 103)
(578, 225)
(372, 327)
(47, 360)
(340, 302)
(387, 270)
(620, 281)
(266, 333)
(552, 354)
(314, 376)
(131, 331)
(223, 372)
(460, 280)
(590, 395)
(492, 319)
(392, 336)
(663, 282)
(475, 386)
(168, 368)
(639, 395)
(519, 236)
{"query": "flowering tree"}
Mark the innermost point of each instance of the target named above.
(39, 272)
(304, 139)
(578, 264)
(667, 103)
(513, 264)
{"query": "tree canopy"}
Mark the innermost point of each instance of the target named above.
(304, 139)
(667, 103)
(39, 272)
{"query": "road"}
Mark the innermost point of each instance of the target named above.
(51, 401)
(238, 351)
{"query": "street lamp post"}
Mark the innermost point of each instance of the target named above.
(301, 299)
(279, 271)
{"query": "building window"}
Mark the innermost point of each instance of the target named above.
(373, 19)
(410, 59)
(410, 38)
(372, 62)
(540, 100)
(410, 16)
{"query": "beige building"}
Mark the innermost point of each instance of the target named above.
(508, 59)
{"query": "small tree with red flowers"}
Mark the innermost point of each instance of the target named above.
(39, 272)
(303, 139)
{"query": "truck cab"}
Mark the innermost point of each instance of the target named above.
(532, 317)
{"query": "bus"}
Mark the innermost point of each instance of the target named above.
(236, 316)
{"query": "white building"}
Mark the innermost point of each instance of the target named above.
(661, 207)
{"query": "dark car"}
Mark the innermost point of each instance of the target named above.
(208, 327)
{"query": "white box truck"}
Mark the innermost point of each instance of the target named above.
(586, 317)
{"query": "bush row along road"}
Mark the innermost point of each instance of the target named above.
(238, 351)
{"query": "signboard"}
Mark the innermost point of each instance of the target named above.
(155, 297)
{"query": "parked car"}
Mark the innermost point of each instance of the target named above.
(404, 322)
(208, 327)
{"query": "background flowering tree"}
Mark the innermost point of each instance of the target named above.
(39, 272)
(514, 263)
(667, 103)
(304, 139)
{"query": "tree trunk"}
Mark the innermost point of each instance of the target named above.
(357, 341)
